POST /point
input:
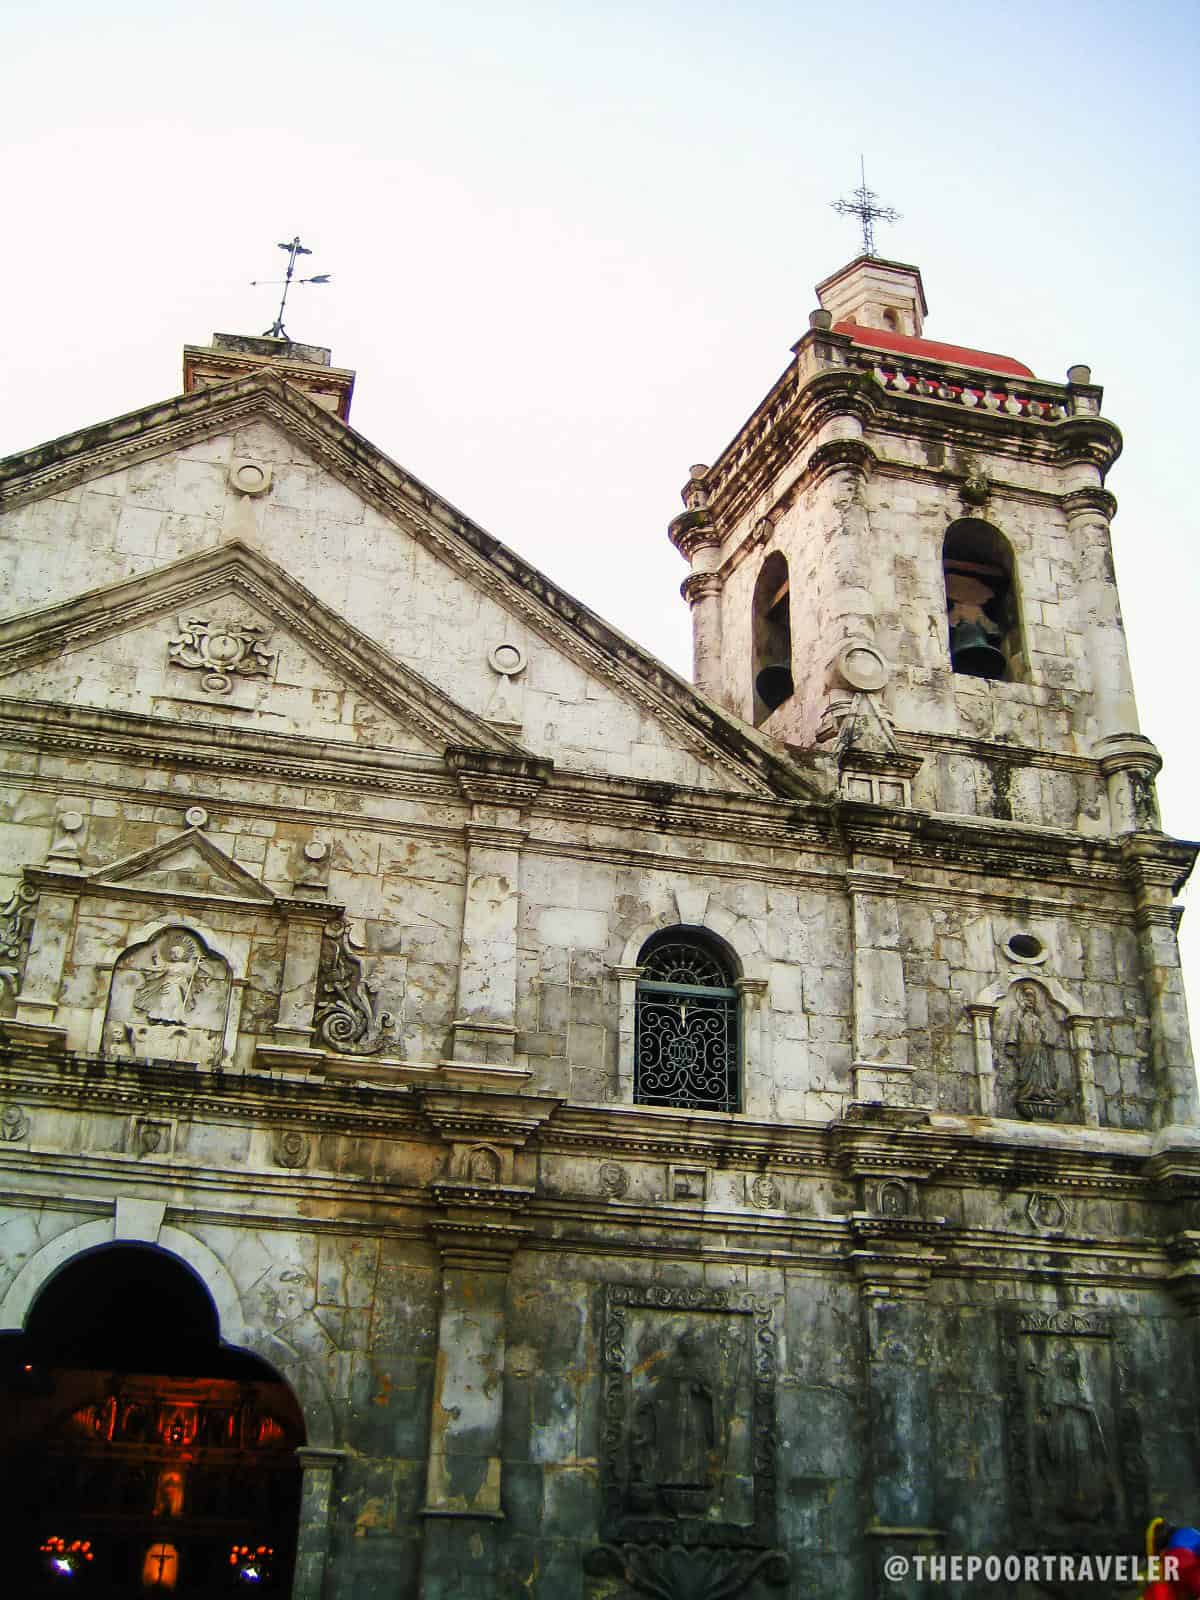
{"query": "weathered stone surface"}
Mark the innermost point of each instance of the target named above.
(331, 840)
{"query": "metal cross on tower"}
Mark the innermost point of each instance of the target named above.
(864, 205)
(294, 249)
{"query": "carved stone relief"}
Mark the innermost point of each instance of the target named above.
(14, 1123)
(689, 1442)
(1048, 1212)
(222, 650)
(348, 1017)
(894, 1198)
(1034, 1067)
(1075, 1450)
(291, 1149)
(763, 1192)
(483, 1165)
(169, 1001)
(16, 921)
(150, 1137)
(614, 1180)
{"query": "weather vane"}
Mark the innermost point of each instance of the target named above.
(294, 249)
(864, 206)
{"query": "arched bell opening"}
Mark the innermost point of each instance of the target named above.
(772, 638)
(139, 1455)
(982, 610)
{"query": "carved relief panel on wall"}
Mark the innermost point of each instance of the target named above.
(169, 1001)
(689, 1440)
(1075, 1454)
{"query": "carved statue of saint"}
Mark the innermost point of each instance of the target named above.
(1072, 1451)
(170, 989)
(674, 1432)
(1030, 1049)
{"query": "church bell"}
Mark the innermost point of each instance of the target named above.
(972, 652)
(774, 683)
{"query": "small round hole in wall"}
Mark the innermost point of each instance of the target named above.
(1025, 947)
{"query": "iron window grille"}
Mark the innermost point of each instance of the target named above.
(687, 1029)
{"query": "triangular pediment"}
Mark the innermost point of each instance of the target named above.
(187, 864)
(403, 568)
(226, 638)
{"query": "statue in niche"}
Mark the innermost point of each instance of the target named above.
(1072, 1451)
(1029, 1043)
(674, 1436)
(168, 1001)
(175, 981)
(483, 1165)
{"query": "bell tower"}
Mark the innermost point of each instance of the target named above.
(905, 553)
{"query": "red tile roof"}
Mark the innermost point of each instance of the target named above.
(930, 350)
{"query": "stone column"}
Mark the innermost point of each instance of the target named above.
(698, 540)
(53, 927)
(893, 1278)
(298, 992)
(627, 982)
(497, 786)
(319, 1466)
(1155, 866)
(881, 1066)
(1130, 764)
(463, 1507)
(485, 1013)
(702, 591)
(1085, 1067)
(982, 1020)
(1090, 510)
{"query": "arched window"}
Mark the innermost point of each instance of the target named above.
(688, 1027)
(772, 642)
(981, 600)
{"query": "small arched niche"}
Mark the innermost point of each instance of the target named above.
(772, 638)
(982, 610)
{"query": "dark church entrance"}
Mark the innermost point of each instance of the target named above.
(138, 1455)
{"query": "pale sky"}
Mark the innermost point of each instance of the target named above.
(572, 246)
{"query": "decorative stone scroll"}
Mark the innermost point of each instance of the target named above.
(16, 920)
(222, 650)
(348, 1017)
(168, 1001)
(1078, 1472)
(689, 1442)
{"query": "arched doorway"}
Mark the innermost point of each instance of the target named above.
(139, 1455)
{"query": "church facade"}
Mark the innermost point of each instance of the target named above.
(483, 1117)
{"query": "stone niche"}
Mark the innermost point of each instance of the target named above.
(169, 1000)
(689, 1442)
(175, 954)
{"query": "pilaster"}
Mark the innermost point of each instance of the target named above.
(497, 789)
(1156, 868)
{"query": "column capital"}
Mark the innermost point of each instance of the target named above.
(1090, 502)
(701, 586)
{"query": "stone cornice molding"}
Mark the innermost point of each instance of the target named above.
(130, 738)
(1089, 439)
(492, 779)
(1154, 862)
(852, 456)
